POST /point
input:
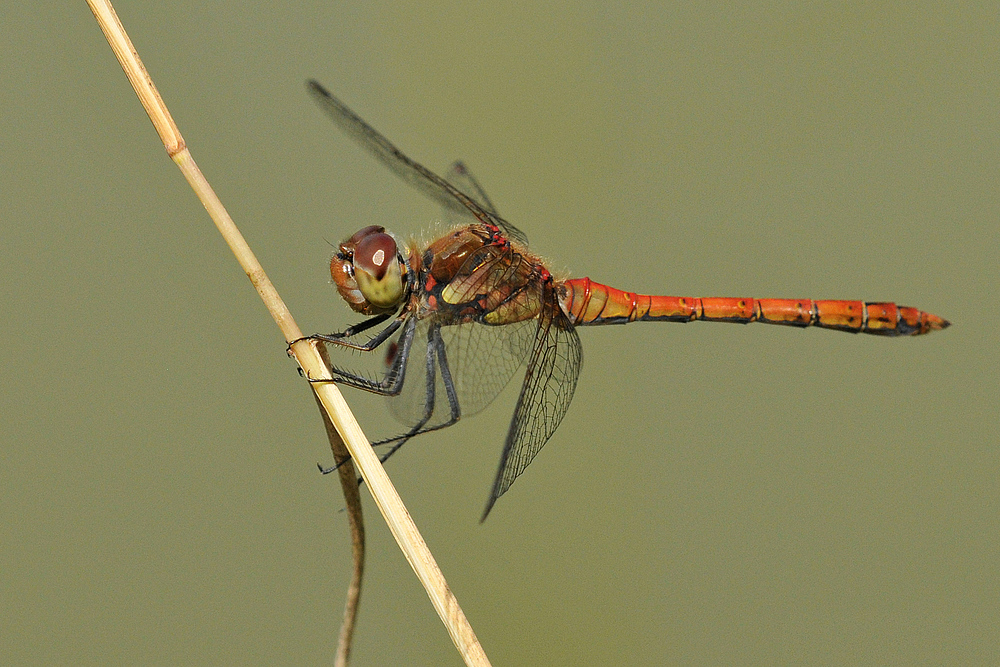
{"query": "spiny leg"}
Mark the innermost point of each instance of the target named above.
(435, 344)
(350, 332)
(392, 382)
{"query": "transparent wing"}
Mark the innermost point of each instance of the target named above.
(484, 358)
(549, 383)
(460, 176)
(481, 361)
(432, 185)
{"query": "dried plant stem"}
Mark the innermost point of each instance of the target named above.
(352, 497)
(306, 353)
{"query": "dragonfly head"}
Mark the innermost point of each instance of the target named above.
(369, 271)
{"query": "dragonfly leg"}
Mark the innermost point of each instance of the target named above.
(346, 333)
(429, 398)
(435, 346)
(392, 382)
(390, 385)
(379, 338)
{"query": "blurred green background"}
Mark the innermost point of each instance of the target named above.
(716, 494)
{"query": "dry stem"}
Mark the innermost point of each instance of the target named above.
(306, 353)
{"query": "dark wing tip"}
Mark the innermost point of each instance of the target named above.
(489, 506)
(316, 87)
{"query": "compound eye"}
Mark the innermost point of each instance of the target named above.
(376, 269)
(361, 234)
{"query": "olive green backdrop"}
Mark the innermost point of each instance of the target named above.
(716, 495)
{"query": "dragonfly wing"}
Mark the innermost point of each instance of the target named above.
(460, 176)
(549, 383)
(484, 358)
(481, 361)
(410, 404)
(415, 174)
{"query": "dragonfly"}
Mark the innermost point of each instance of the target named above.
(462, 315)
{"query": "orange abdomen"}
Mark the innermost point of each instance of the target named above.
(586, 303)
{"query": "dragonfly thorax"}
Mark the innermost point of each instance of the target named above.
(369, 271)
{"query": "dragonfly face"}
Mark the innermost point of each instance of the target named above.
(369, 272)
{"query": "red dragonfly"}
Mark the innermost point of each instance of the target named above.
(476, 305)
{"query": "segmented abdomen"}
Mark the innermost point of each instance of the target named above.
(586, 302)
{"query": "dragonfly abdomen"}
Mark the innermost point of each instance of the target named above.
(588, 303)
